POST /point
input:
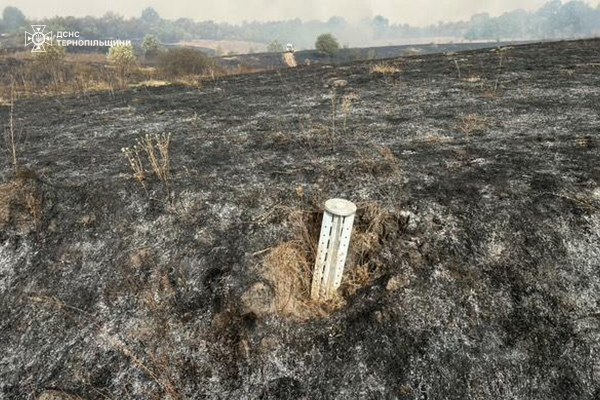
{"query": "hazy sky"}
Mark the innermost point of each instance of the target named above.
(414, 12)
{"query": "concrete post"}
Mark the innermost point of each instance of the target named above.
(334, 241)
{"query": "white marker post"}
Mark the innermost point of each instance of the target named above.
(334, 241)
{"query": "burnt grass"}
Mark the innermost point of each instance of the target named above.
(115, 292)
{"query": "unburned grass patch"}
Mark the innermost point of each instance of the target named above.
(288, 267)
(21, 203)
(383, 68)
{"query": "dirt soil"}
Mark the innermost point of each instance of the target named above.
(290, 60)
(489, 288)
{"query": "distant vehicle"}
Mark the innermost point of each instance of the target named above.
(289, 48)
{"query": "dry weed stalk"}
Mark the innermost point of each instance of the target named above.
(132, 154)
(346, 106)
(458, 69)
(10, 136)
(157, 150)
(160, 161)
(470, 123)
(502, 52)
(333, 111)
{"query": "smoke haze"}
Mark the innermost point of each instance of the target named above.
(418, 13)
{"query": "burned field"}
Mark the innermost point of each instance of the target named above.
(475, 261)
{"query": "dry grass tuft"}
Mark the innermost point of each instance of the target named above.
(151, 83)
(472, 79)
(373, 227)
(584, 141)
(384, 163)
(436, 138)
(384, 69)
(21, 204)
(289, 268)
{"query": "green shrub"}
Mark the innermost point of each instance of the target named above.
(49, 66)
(123, 58)
(327, 43)
(52, 57)
(151, 46)
(184, 61)
(275, 47)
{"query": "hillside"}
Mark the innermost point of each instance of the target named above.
(475, 261)
(275, 60)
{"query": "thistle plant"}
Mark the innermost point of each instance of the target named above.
(156, 150)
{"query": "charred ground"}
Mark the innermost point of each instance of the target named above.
(484, 281)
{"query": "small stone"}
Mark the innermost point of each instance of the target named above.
(336, 83)
(53, 227)
(268, 343)
(258, 299)
(87, 220)
(411, 219)
(221, 320)
(397, 283)
(54, 395)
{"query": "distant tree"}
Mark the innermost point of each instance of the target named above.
(150, 15)
(574, 18)
(550, 9)
(13, 19)
(327, 43)
(514, 25)
(548, 14)
(151, 46)
(336, 22)
(380, 26)
(113, 25)
(479, 27)
(123, 58)
(275, 47)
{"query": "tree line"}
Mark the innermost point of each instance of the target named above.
(553, 20)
